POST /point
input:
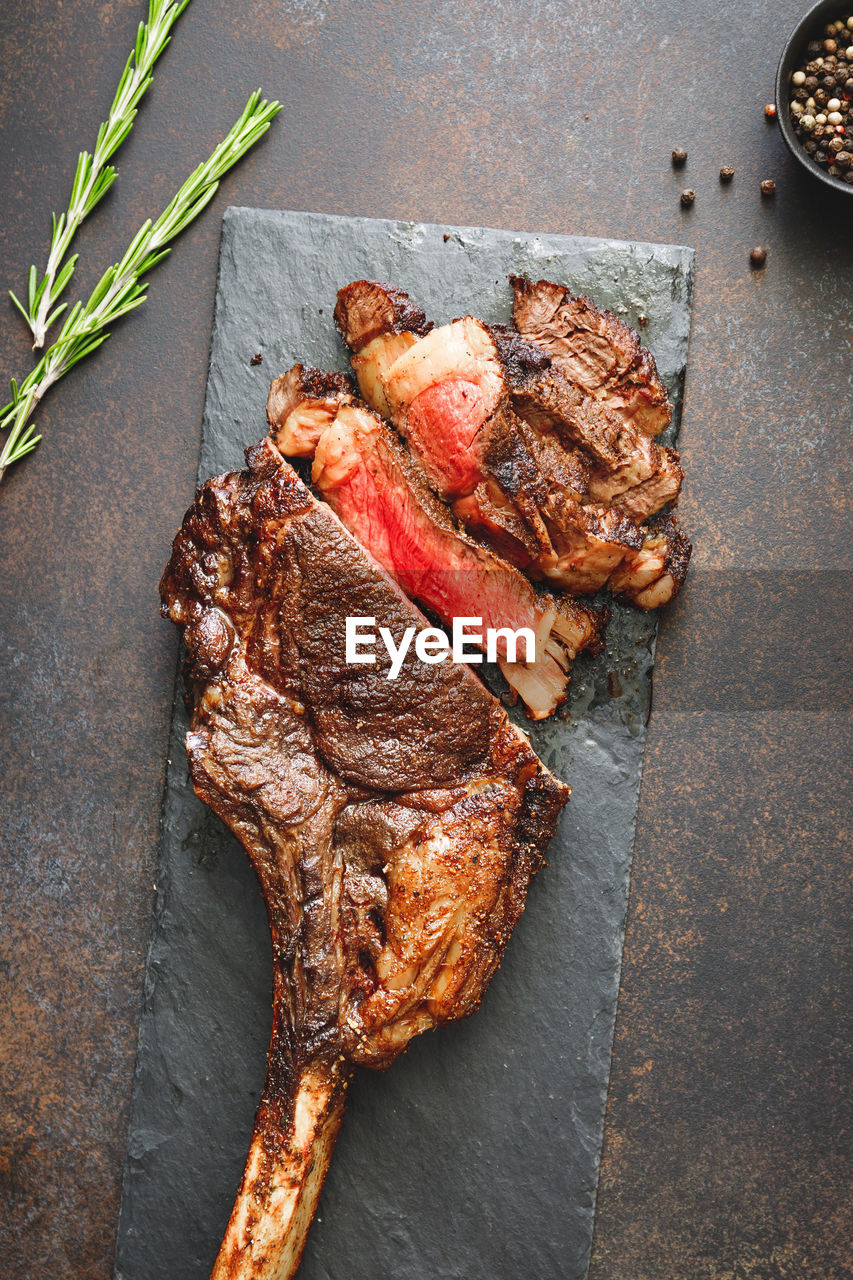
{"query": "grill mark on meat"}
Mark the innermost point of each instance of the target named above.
(349, 793)
(595, 349)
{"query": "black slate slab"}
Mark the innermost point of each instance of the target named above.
(476, 1157)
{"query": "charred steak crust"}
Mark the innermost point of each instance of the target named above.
(597, 349)
(367, 308)
(304, 382)
(393, 825)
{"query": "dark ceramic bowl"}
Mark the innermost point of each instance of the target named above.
(807, 29)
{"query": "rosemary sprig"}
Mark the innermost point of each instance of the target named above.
(122, 287)
(94, 176)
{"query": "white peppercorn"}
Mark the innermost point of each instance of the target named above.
(834, 104)
(834, 117)
(808, 123)
(798, 78)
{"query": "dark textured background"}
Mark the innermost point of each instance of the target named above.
(729, 1114)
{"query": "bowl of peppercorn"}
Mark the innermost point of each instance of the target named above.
(814, 93)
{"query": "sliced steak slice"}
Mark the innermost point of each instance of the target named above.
(595, 349)
(653, 575)
(519, 484)
(650, 496)
(394, 825)
(378, 491)
(301, 405)
(365, 309)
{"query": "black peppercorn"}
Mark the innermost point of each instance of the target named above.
(821, 97)
(848, 88)
(836, 144)
(726, 173)
(801, 94)
(828, 81)
(758, 257)
(687, 197)
(811, 83)
(843, 159)
(679, 158)
(768, 187)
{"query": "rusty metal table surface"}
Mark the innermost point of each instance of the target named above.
(729, 1113)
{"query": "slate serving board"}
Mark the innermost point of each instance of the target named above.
(476, 1156)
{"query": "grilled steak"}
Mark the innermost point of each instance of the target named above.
(547, 474)
(595, 349)
(367, 477)
(394, 825)
(652, 575)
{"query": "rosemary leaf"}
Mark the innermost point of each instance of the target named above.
(122, 287)
(94, 177)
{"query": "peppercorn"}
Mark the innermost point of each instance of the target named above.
(687, 197)
(811, 83)
(768, 187)
(821, 97)
(808, 123)
(726, 173)
(758, 256)
(848, 88)
(814, 47)
(800, 95)
(836, 144)
(642, 320)
(679, 158)
(829, 46)
(770, 111)
(843, 159)
(798, 78)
